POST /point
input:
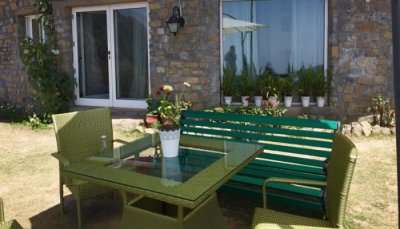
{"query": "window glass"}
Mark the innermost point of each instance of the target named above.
(275, 34)
(35, 28)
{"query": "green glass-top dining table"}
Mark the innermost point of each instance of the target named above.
(161, 192)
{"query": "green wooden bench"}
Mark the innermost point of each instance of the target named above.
(293, 148)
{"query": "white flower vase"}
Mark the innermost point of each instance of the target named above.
(305, 101)
(320, 101)
(170, 142)
(171, 172)
(258, 101)
(273, 99)
(228, 100)
(245, 101)
(288, 100)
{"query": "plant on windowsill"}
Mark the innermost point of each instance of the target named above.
(169, 108)
(229, 85)
(319, 86)
(287, 88)
(270, 88)
(259, 87)
(305, 84)
(246, 86)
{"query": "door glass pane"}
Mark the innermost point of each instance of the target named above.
(131, 62)
(93, 55)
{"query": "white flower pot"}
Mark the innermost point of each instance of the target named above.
(228, 100)
(170, 142)
(305, 101)
(320, 101)
(258, 101)
(273, 99)
(171, 171)
(288, 101)
(245, 101)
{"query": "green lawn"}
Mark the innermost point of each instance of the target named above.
(29, 184)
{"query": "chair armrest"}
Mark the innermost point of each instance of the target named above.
(288, 181)
(64, 161)
(120, 141)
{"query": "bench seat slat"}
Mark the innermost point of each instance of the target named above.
(297, 150)
(271, 138)
(316, 192)
(263, 172)
(259, 128)
(292, 167)
(323, 124)
(297, 160)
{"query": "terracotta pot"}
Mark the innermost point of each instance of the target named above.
(150, 119)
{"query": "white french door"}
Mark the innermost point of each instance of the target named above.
(111, 55)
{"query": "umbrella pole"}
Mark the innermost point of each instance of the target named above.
(396, 83)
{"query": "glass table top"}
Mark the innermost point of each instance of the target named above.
(203, 165)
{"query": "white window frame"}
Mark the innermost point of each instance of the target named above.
(326, 31)
(112, 101)
(28, 27)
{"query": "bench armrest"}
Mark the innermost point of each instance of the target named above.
(63, 161)
(288, 181)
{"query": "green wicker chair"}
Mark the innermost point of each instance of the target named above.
(78, 137)
(13, 224)
(339, 174)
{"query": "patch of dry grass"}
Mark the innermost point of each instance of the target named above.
(29, 181)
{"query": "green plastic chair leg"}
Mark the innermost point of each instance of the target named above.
(62, 199)
(2, 218)
(78, 211)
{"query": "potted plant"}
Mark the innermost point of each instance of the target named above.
(286, 89)
(246, 87)
(319, 86)
(259, 87)
(270, 89)
(152, 115)
(169, 109)
(228, 86)
(305, 84)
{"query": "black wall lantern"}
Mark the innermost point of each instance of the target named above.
(176, 21)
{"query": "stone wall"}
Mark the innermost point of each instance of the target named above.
(193, 55)
(14, 85)
(360, 49)
(360, 41)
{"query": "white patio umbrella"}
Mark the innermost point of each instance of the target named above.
(231, 25)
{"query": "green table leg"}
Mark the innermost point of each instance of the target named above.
(147, 213)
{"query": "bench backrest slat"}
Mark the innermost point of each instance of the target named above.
(293, 147)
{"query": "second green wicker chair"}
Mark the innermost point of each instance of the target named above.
(340, 172)
(78, 137)
(13, 224)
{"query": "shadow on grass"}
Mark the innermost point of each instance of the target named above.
(99, 213)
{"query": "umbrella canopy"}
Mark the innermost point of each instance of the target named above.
(231, 25)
